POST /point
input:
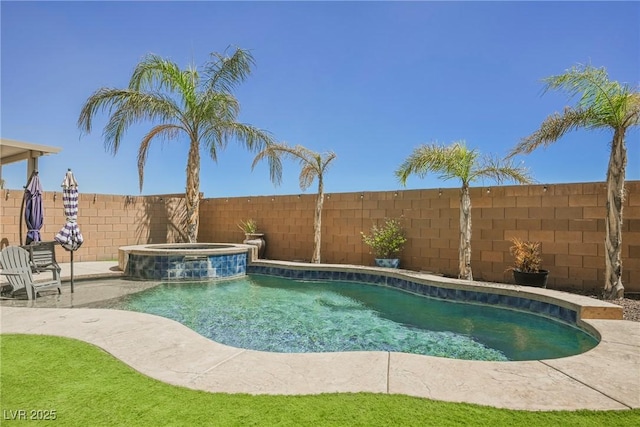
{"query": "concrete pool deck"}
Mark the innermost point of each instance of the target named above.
(604, 378)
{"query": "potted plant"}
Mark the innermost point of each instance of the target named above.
(250, 226)
(526, 263)
(252, 236)
(386, 242)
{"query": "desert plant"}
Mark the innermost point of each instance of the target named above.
(603, 104)
(386, 241)
(249, 226)
(526, 255)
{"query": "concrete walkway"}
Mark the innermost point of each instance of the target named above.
(607, 377)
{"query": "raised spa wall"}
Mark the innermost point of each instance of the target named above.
(179, 262)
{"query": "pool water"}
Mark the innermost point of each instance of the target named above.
(284, 315)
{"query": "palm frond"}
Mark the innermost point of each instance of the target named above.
(632, 116)
(298, 152)
(214, 106)
(552, 129)
(308, 173)
(501, 170)
(453, 161)
(252, 138)
(134, 108)
(155, 73)
(329, 156)
(275, 164)
(608, 100)
(312, 164)
(462, 162)
(216, 133)
(592, 84)
(168, 131)
(225, 72)
(423, 159)
(125, 108)
(101, 100)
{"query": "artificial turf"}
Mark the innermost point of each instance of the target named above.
(84, 386)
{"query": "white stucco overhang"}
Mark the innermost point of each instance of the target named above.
(12, 151)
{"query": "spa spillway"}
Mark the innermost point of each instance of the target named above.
(185, 261)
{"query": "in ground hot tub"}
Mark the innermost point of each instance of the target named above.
(185, 261)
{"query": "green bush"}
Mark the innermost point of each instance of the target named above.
(386, 241)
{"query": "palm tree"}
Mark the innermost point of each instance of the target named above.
(458, 161)
(186, 107)
(313, 165)
(603, 104)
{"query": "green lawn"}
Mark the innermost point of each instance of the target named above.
(87, 387)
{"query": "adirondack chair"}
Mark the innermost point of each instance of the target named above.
(42, 256)
(16, 266)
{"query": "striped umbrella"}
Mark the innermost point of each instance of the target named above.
(33, 211)
(69, 236)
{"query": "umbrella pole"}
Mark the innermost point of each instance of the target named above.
(71, 271)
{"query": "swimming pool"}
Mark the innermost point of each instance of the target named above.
(276, 314)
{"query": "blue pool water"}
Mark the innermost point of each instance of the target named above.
(284, 315)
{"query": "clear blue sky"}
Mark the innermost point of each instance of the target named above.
(368, 80)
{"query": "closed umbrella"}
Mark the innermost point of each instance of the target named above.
(33, 212)
(69, 236)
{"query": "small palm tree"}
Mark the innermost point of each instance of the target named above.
(458, 161)
(603, 104)
(314, 165)
(199, 111)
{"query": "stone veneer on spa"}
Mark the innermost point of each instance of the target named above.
(186, 267)
(435, 291)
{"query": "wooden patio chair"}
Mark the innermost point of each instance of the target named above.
(16, 266)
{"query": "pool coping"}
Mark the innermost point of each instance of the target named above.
(604, 378)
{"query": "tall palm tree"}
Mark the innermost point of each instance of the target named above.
(458, 161)
(185, 107)
(603, 104)
(313, 165)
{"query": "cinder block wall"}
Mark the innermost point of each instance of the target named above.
(567, 218)
(106, 222)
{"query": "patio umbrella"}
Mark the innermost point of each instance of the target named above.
(69, 236)
(33, 212)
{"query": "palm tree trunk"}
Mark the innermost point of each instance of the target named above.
(464, 248)
(613, 287)
(193, 191)
(317, 223)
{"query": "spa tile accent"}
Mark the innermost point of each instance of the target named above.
(433, 291)
(180, 267)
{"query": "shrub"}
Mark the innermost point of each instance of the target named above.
(526, 255)
(386, 241)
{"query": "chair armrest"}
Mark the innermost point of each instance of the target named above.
(23, 274)
(12, 273)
